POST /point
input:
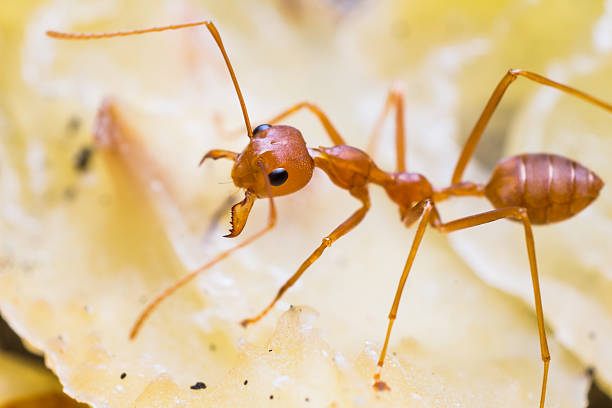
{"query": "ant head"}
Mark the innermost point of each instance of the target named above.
(276, 156)
(283, 153)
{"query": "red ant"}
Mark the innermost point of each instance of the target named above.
(535, 188)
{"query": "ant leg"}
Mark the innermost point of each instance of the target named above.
(329, 128)
(520, 214)
(188, 278)
(342, 229)
(498, 93)
(219, 154)
(423, 210)
(394, 98)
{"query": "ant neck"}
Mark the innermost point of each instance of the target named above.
(403, 188)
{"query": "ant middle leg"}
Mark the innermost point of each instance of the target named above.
(395, 98)
(314, 109)
(498, 93)
(423, 210)
(520, 214)
(350, 223)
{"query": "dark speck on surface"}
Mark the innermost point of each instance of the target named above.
(212, 347)
(246, 382)
(271, 396)
(198, 386)
(74, 124)
(269, 350)
(123, 375)
(82, 159)
(70, 193)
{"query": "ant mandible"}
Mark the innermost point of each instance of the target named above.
(534, 188)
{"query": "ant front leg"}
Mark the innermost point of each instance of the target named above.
(395, 98)
(249, 198)
(423, 210)
(498, 93)
(520, 214)
(350, 223)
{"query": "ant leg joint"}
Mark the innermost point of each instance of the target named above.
(327, 241)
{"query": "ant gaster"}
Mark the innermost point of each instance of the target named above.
(529, 188)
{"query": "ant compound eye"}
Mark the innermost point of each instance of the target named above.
(278, 176)
(261, 128)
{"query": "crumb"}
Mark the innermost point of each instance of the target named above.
(198, 386)
(246, 382)
(123, 375)
(271, 396)
(269, 350)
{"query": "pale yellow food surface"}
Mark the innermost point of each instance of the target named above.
(82, 252)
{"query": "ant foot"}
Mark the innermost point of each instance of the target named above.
(381, 386)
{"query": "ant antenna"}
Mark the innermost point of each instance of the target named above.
(209, 24)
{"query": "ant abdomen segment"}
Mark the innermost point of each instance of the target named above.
(550, 187)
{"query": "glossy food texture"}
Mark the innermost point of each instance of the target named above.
(277, 147)
(552, 188)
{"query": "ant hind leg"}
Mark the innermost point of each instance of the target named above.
(496, 96)
(520, 214)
